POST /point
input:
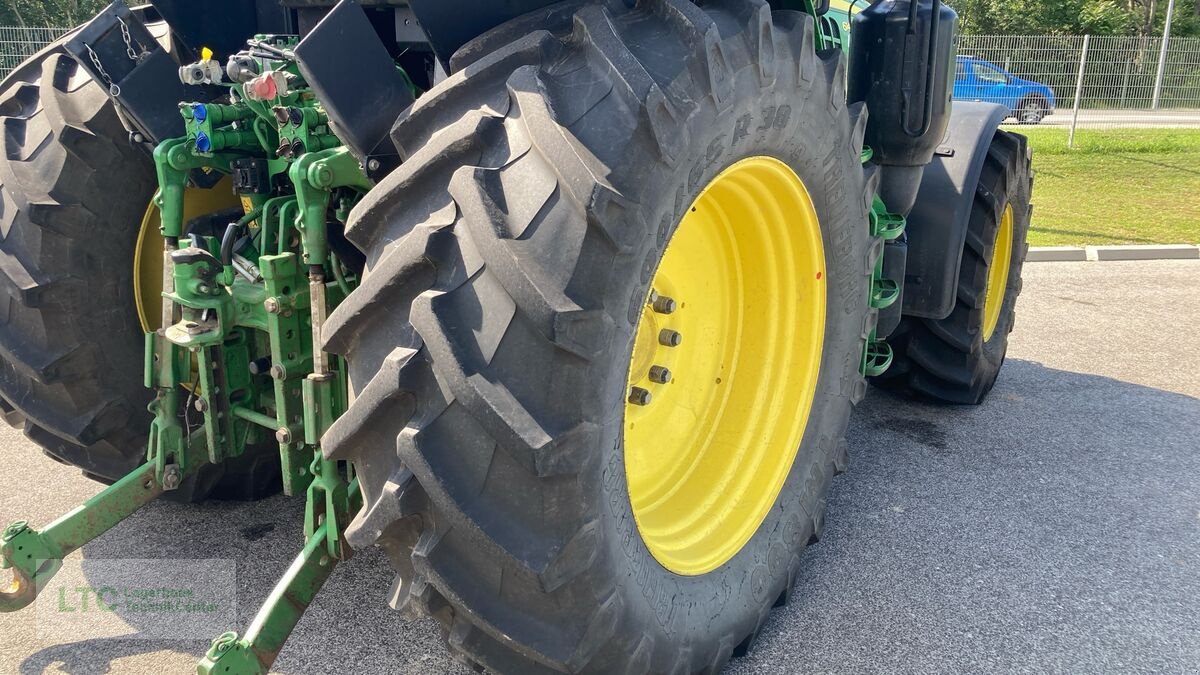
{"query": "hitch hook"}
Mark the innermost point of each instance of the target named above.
(31, 561)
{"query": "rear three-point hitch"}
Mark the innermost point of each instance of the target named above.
(236, 365)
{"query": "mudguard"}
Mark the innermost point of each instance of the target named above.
(937, 225)
(450, 25)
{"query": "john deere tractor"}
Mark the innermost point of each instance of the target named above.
(564, 305)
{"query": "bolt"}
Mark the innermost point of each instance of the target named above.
(260, 366)
(284, 436)
(660, 374)
(200, 405)
(271, 305)
(278, 372)
(171, 478)
(15, 529)
(669, 338)
(663, 304)
(203, 289)
(320, 175)
(372, 165)
(639, 396)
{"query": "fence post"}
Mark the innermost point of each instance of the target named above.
(1125, 83)
(1078, 91)
(1162, 57)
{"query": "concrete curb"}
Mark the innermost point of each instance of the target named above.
(1084, 253)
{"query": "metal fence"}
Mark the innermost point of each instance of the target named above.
(1118, 72)
(18, 44)
(1103, 81)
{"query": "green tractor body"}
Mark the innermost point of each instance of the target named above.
(437, 240)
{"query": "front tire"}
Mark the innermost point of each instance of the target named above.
(957, 359)
(489, 345)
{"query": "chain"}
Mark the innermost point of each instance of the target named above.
(133, 54)
(129, 51)
(112, 86)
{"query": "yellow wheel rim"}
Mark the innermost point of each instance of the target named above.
(997, 281)
(148, 252)
(713, 423)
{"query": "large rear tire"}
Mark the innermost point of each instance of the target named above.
(73, 191)
(957, 359)
(489, 346)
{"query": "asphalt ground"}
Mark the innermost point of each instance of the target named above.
(1056, 528)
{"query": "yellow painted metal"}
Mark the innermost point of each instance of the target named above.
(707, 455)
(997, 281)
(148, 252)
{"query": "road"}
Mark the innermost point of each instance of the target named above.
(1126, 118)
(1054, 529)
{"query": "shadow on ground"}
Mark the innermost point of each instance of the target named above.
(1055, 528)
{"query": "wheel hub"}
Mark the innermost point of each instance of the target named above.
(724, 365)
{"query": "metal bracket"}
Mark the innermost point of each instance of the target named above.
(117, 50)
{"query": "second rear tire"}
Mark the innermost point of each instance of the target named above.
(73, 191)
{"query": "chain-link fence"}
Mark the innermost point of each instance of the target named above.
(18, 44)
(1096, 81)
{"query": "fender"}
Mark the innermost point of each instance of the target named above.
(937, 225)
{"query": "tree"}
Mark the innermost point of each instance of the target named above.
(48, 13)
(1074, 17)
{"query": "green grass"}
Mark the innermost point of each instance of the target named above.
(1122, 186)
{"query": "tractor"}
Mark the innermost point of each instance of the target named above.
(563, 304)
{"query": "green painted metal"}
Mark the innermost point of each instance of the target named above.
(227, 321)
(257, 650)
(223, 325)
(885, 226)
(35, 556)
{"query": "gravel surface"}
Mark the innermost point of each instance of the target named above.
(1054, 529)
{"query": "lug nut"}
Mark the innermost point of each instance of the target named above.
(669, 338)
(660, 374)
(663, 304)
(283, 435)
(639, 396)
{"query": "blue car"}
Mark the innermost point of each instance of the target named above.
(978, 80)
